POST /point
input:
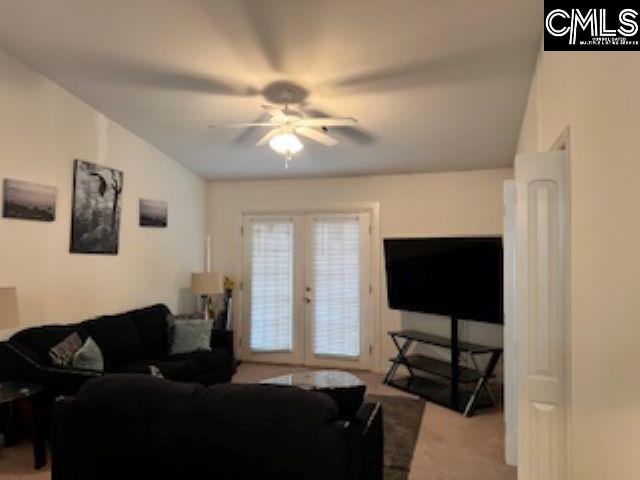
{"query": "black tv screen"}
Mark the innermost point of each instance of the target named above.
(458, 277)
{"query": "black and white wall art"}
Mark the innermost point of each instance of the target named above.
(28, 201)
(97, 198)
(153, 213)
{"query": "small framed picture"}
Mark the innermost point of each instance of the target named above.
(28, 201)
(153, 213)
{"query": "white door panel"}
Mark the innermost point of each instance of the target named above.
(271, 296)
(541, 280)
(337, 291)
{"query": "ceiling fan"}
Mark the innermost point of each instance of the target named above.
(286, 124)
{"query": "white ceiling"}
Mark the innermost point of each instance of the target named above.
(435, 84)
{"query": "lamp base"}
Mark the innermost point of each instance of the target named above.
(206, 305)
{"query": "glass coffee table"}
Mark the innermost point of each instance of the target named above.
(346, 389)
(28, 398)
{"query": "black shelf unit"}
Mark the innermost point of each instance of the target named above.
(432, 390)
(446, 383)
(438, 368)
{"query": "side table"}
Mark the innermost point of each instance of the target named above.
(28, 398)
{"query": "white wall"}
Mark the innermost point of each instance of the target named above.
(43, 129)
(463, 203)
(596, 96)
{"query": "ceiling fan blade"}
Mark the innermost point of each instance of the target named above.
(473, 64)
(276, 113)
(355, 134)
(245, 134)
(268, 137)
(266, 24)
(245, 125)
(327, 122)
(166, 77)
(316, 135)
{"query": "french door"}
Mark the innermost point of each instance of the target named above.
(306, 289)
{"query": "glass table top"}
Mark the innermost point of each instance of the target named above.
(10, 391)
(327, 379)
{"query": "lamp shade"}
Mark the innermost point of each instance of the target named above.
(9, 316)
(208, 283)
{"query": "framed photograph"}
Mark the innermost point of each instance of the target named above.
(28, 201)
(153, 213)
(97, 198)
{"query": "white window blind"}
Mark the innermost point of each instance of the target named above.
(271, 285)
(337, 286)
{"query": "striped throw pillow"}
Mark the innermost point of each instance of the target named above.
(62, 354)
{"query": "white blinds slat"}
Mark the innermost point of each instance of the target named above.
(337, 286)
(271, 285)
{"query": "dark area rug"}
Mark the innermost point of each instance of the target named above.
(402, 418)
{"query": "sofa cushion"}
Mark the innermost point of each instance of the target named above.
(152, 326)
(266, 405)
(243, 403)
(117, 337)
(137, 394)
(183, 367)
(41, 339)
(206, 359)
(182, 370)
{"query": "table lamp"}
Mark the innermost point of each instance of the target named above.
(9, 316)
(205, 285)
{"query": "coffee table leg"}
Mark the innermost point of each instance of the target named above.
(33, 421)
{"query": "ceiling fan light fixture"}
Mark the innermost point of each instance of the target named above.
(286, 144)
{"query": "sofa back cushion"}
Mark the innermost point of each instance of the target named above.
(161, 429)
(258, 404)
(40, 340)
(117, 337)
(152, 326)
(253, 404)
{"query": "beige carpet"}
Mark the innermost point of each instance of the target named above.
(449, 446)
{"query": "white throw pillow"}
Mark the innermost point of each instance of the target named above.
(191, 335)
(89, 357)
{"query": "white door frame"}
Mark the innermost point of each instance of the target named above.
(563, 143)
(376, 266)
(510, 330)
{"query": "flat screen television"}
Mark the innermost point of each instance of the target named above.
(458, 277)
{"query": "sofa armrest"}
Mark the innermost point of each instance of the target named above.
(224, 339)
(367, 444)
(61, 465)
(18, 364)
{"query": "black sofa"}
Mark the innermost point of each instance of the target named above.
(133, 426)
(129, 342)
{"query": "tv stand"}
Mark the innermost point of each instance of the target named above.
(446, 383)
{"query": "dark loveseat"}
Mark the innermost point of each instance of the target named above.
(133, 426)
(129, 342)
